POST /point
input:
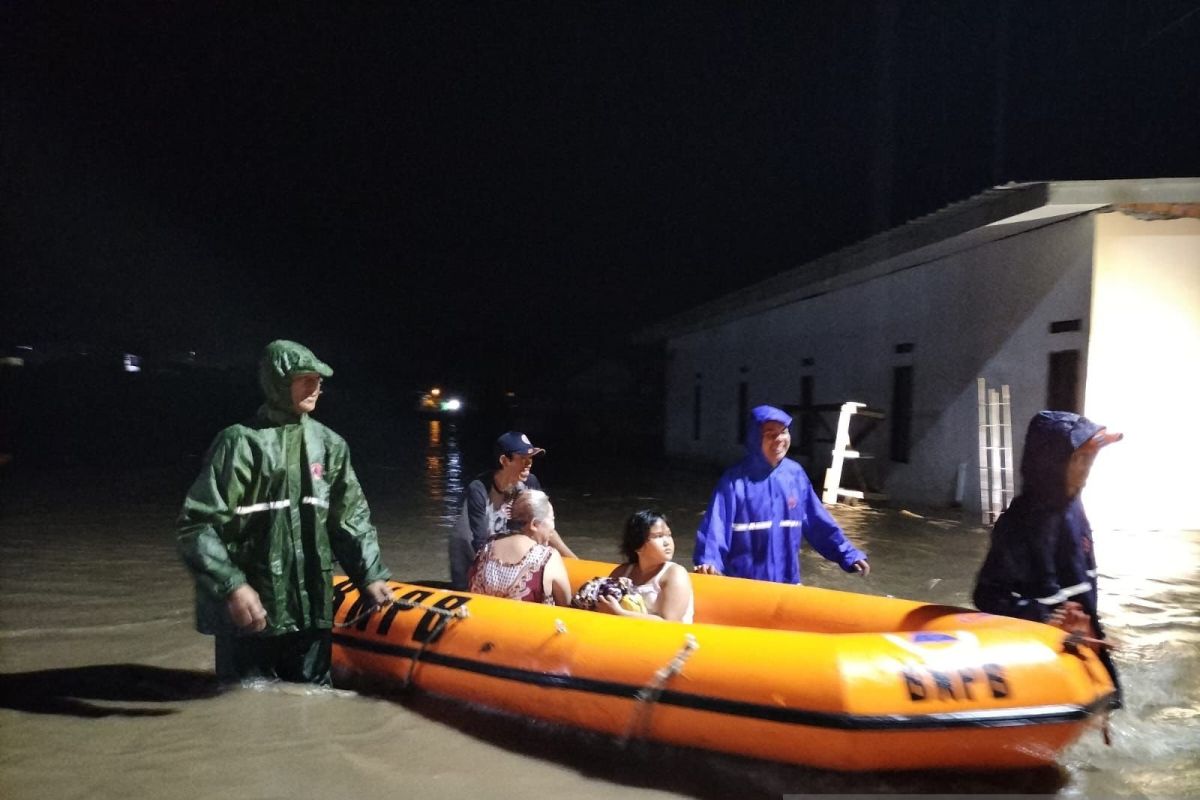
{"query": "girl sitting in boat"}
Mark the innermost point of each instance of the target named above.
(520, 564)
(664, 585)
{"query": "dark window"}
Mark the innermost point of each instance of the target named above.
(808, 417)
(739, 427)
(696, 413)
(904, 347)
(1065, 326)
(902, 408)
(1062, 389)
(806, 362)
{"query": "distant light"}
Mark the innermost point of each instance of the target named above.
(435, 391)
(453, 404)
(132, 363)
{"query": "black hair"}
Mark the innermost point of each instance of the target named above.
(637, 531)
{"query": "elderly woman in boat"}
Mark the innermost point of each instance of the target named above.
(488, 505)
(521, 563)
(665, 587)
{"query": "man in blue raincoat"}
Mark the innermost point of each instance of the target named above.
(1041, 565)
(764, 508)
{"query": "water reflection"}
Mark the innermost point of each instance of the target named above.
(443, 471)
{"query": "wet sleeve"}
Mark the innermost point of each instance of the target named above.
(1018, 568)
(712, 537)
(353, 538)
(210, 504)
(1044, 589)
(476, 511)
(825, 535)
(1037, 590)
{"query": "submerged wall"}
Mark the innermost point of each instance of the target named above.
(984, 309)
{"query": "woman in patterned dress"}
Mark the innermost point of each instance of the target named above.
(520, 564)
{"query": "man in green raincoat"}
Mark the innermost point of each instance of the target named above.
(275, 504)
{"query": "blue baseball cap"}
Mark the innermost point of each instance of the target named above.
(516, 442)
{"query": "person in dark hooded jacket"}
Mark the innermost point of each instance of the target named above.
(275, 504)
(1040, 564)
(764, 508)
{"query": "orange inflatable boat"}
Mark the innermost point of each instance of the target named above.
(790, 673)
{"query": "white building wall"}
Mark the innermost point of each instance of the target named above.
(1011, 291)
(984, 312)
(1144, 372)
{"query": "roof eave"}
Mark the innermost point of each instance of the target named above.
(988, 207)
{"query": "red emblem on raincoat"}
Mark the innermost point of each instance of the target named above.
(317, 470)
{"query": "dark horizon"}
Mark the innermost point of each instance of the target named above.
(510, 191)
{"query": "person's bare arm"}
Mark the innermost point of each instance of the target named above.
(560, 546)
(672, 602)
(555, 582)
(676, 593)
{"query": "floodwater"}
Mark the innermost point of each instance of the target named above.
(107, 690)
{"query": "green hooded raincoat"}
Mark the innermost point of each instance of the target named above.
(275, 504)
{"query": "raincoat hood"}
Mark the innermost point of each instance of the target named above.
(1049, 442)
(282, 360)
(760, 415)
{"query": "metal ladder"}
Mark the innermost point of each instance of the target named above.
(842, 451)
(996, 487)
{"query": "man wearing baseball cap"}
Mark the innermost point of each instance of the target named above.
(488, 506)
(514, 443)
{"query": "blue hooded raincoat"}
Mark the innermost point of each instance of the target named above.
(1041, 549)
(759, 516)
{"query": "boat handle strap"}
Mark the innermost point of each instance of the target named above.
(649, 694)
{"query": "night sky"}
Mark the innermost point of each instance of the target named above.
(512, 186)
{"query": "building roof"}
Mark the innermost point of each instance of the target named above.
(993, 214)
